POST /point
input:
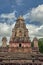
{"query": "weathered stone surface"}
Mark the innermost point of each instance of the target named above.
(19, 51)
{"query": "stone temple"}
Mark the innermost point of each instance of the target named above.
(20, 50)
(20, 37)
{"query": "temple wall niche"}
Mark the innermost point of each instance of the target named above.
(20, 32)
(26, 44)
(20, 45)
(14, 45)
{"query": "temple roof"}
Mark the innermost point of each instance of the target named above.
(4, 38)
(35, 39)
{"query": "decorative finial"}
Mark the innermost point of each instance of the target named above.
(20, 18)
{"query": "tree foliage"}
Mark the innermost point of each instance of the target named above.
(40, 43)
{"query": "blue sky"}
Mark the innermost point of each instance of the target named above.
(31, 10)
(21, 7)
(7, 6)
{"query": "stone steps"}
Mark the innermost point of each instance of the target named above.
(12, 55)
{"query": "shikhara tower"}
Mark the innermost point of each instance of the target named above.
(20, 37)
(20, 40)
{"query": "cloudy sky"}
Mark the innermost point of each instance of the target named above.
(31, 10)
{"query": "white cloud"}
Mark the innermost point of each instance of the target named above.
(9, 15)
(35, 31)
(0, 41)
(19, 2)
(5, 30)
(9, 18)
(41, 27)
(31, 28)
(36, 14)
(5, 27)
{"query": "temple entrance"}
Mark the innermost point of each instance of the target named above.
(19, 45)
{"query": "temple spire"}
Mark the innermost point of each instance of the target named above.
(20, 18)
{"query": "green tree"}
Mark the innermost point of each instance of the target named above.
(40, 42)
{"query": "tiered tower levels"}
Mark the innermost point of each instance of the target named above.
(20, 37)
